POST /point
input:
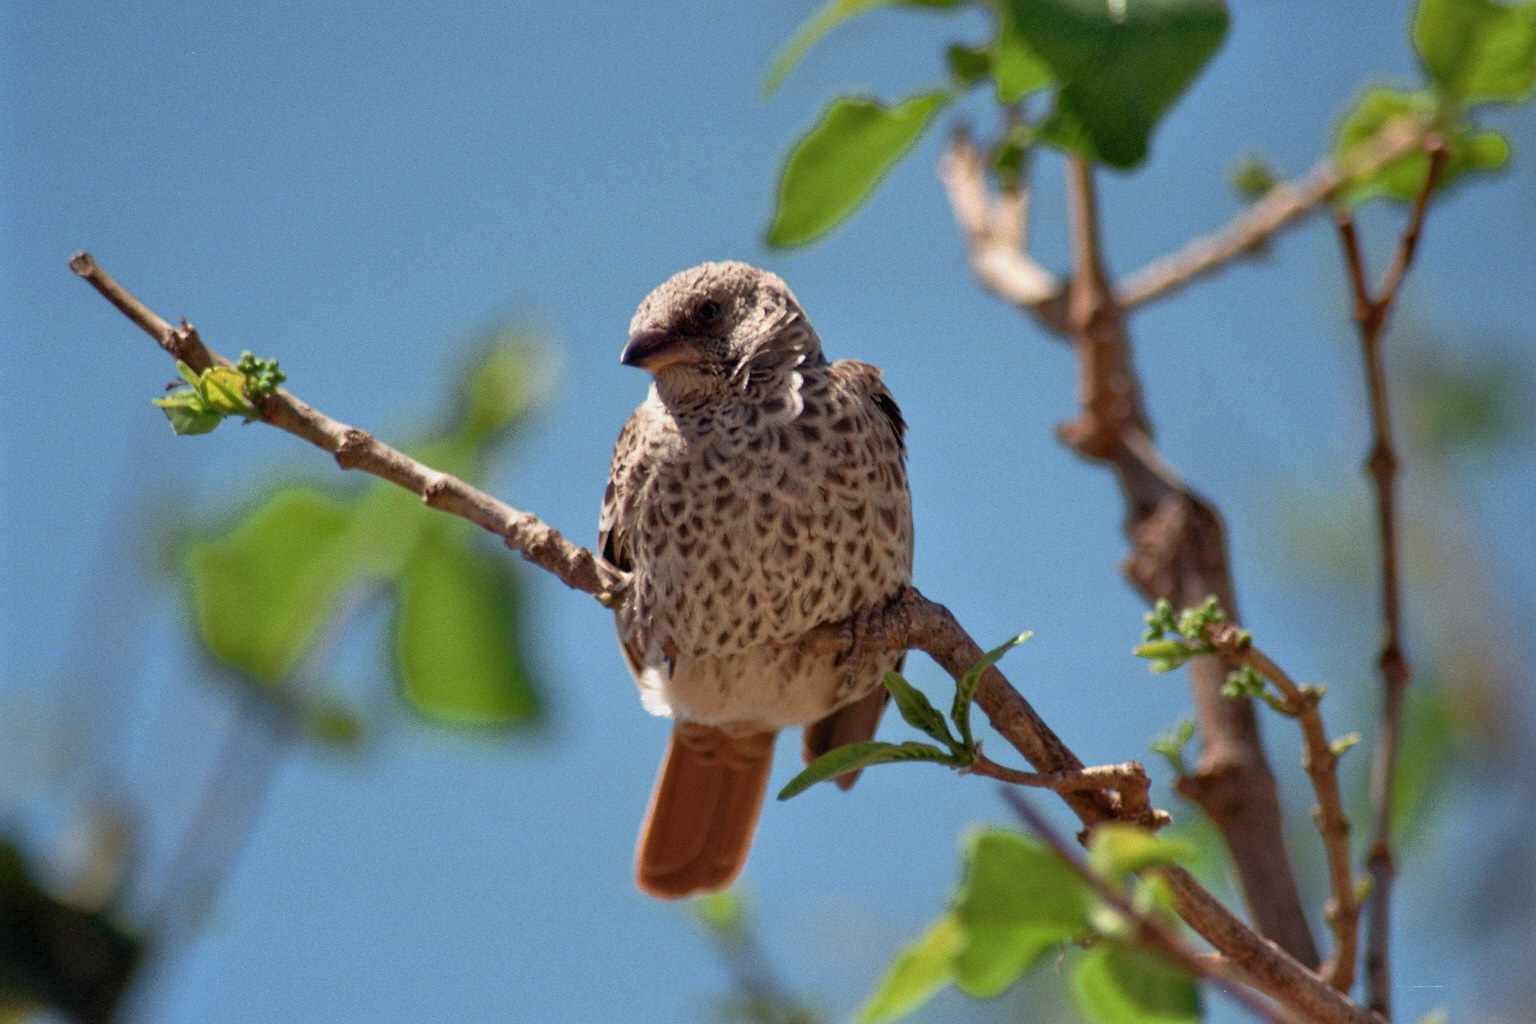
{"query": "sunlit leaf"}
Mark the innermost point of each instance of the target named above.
(855, 756)
(1018, 900)
(841, 160)
(1116, 848)
(921, 970)
(456, 635)
(1118, 64)
(1117, 984)
(1478, 50)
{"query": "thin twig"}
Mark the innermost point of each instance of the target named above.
(1128, 780)
(1149, 931)
(538, 542)
(1371, 314)
(1281, 206)
(1342, 911)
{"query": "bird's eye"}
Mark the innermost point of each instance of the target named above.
(708, 310)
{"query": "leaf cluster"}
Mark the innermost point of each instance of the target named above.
(1113, 70)
(1020, 901)
(220, 391)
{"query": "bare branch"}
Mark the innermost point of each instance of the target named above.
(538, 542)
(994, 226)
(1129, 780)
(1278, 208)
(1371, 314)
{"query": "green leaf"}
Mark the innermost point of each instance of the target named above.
(1402, 179)
(1164, 655)
(968, 65)
(841, 160)
(1019, 899)
(855, 756)
(1116, 848)
(965, 687)
(1478, 51)
(262, 593)
(217, 392)
(187, 413)
(1016, 69)
(456, 635)
(820, 23)
(506, 381)
(918, 712)
(921, 970)
(1117, 984)
(1119, 65)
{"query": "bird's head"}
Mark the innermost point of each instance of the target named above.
(718, 328)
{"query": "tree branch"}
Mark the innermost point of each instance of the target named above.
(995, 230)
(1150, 932)
(1342, 911)
(538, 542)
(1278, 208)
(1371, 314)
(909, 622)
(1178, 553)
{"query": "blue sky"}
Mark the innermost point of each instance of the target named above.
(356, 189)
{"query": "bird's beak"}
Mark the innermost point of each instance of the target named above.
(654, 351)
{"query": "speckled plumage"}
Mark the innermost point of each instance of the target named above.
(758, 492)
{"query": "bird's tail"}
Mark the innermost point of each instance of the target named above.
(704, 811)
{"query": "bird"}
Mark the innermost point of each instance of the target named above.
(758, 492)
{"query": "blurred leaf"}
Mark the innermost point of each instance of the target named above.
(262, 593)
(721, 912)
(921, 970)
(855, 756)
(917, 711)
(1253, 177)
(822, 22)
(1427, 753)
(1403, 179)
(841, 160)
(1119, 65)
(504, 384)
(1118, 984)
(1018, 900)
(968, 65)
(1458, 405)
(1116, 848)
(1478, 50)
(456, 635)
(1016, 68)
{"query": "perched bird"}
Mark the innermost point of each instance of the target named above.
(758, 492)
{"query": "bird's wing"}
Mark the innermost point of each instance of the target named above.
(864, 378)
